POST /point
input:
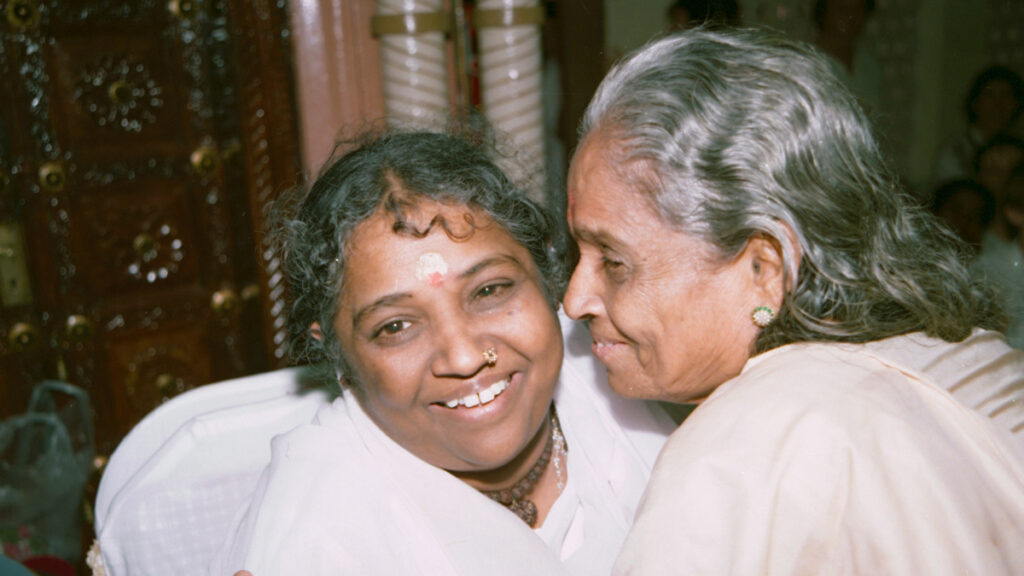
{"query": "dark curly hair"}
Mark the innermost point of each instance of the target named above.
(392, 171)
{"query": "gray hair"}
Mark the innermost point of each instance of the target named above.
(393, 171)
(741, 133)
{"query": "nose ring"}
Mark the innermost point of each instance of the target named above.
(490, 356)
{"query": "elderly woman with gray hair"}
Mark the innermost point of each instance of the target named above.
(744, 246)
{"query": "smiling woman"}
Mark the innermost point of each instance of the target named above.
(429, 283)
(743, 244)
(417, 343)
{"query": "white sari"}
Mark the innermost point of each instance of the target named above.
(340, 497)
(837, 459)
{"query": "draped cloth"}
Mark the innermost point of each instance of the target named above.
(169, 492)
(340, 497)
(983, 372)
(840, 459)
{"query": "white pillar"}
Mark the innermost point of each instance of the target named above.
(510, 68)
(413, 67)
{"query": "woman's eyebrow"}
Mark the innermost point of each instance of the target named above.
(487, 263)
(377, 304)
(595, 237)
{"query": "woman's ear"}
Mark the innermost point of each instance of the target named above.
(315, 332)
(772, 275)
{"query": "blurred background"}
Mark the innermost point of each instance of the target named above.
(142, 141)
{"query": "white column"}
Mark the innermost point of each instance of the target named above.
(413, 67)
(510, 69)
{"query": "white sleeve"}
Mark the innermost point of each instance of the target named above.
(287, 526)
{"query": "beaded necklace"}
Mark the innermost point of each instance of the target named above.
(515, 497)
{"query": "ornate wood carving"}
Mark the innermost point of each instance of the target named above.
(139, 142)
(271, 153)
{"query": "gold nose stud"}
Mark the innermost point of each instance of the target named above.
(490, 356)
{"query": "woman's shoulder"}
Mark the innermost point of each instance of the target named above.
(320, 492)
(821, 390)
(333, 440)
(846, 394)
(814, 436)
(814, 372)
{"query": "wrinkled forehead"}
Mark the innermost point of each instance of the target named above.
(607, 163)
(609, 149)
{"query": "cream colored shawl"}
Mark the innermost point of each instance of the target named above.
(834, 459)
(340, 497)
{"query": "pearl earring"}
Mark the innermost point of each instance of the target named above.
(762, 316)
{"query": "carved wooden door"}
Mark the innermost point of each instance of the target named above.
(134, 158)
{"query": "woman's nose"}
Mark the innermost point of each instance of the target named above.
(460, 350)
(581, 301)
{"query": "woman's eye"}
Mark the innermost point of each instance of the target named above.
(492, 290)
(610, 264)
(615, 270)
(391, 328)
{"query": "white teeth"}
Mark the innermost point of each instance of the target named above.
(480, 398)
(492, 391)
(486, 395)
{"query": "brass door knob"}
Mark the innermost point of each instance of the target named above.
(22, 14)
(51, 176)
(182, 9)
(23, 336)
(78, 328)
(204, 160)
(120, 92)
(224, 302)
(169, 384)
(250, 292)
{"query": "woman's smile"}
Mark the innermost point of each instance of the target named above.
(486, 406)
(454, 347)
(604, 349)
(481, 398)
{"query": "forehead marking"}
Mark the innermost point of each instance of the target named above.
(431, 268)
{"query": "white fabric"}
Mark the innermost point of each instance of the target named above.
(983, 372)
(340, 497)
(175, 482)
(826, 459)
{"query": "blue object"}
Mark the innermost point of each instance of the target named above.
(9, 567)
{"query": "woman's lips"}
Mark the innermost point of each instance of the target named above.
(481, 397)
(603, 348)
